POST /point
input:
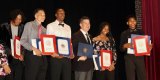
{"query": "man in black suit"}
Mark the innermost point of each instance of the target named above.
(9, 31)
(82, 65)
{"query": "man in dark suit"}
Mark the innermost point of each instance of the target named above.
(9, 31)
(82, 65)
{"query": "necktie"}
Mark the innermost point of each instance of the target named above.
(61, 24)
(88, 40)
(39, 30)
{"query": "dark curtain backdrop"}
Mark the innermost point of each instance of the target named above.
(151, 26)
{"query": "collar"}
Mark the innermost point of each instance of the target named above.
(83, 31)
(36, 23)
(57, 22)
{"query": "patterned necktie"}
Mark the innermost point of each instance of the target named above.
(88, 40)
(39, 31)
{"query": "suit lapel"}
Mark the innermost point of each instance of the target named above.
(8, 27)
(83, 39)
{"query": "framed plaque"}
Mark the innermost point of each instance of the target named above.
(63, 46)
(48, 43)
(141, 45)
(106, 58)
(37, 44)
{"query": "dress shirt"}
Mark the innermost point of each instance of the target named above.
(30, 32)
(58, 30)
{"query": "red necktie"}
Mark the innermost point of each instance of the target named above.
(39, 30)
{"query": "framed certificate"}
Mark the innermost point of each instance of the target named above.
(106, 58)
(16, 47)
(136, 35)
(48, 43)
(141, 45)
(37, 44)
(97, 61)
(63, 46)
(130, 50)
(85, 50)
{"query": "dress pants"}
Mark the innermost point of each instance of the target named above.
(135, 67)
(60, 68)
(35, 66)
(84, 75)
(104, 75)
(17, 69)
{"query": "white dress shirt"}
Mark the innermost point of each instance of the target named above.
(55, 29)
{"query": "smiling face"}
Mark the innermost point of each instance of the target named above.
(60, 15)
(85, 25)
(17, 21)
(132, 23)
(105, 30)
(40, 16)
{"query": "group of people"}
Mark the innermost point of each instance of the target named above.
(34, 67)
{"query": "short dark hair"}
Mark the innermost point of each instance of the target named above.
(130, 16)
(102, 25)
(38, 9)
(15, 13)
(83, 18)
(58, 9)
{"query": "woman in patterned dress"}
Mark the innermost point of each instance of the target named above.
(105, 41)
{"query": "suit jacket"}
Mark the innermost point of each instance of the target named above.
(80, 65)
(6, 35)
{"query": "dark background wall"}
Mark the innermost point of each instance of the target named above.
(113, 11)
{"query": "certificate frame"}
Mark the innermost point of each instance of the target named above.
(17, 44)
(137, 44)
(97, 62)
(51, 44)
(102, 53)
(85, 49)
(62, 46)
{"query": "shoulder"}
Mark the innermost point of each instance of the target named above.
(125, 32)
(52, 23)
(28, 24)
(97, 38)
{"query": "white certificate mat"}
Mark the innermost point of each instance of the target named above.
(48, 45)
(34, 44)
(12, 47)
(141, 45)
(63, 46)
(106, 59)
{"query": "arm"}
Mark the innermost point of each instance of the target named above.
(25, 37)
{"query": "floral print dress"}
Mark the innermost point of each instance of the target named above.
(3, 60)
(105, 45)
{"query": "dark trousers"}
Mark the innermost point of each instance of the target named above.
(17, 68)
(60, 69)
(35, 66)
(84, 75)
(104, 75)
(135, 67)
